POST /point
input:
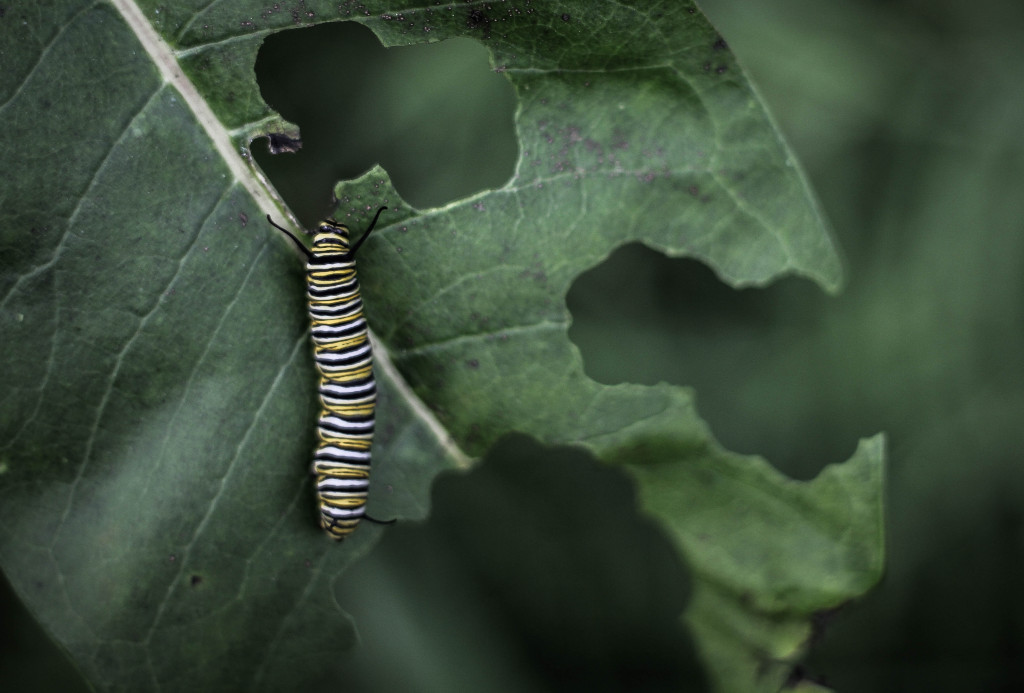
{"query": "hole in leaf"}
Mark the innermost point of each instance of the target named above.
(534, 566)
(769, 376)
(435, 116)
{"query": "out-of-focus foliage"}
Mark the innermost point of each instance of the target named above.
(908, 117)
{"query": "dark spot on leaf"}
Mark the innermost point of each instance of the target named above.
(473, 363)
(244, 218)
(478, 19)
(719, 45)
(195, 580)
(536, 273)
(693, 190)
(278, 142)
(172, 558)
(566, 17)
(706, 67)
(720, 69)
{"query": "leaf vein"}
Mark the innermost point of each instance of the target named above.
(73, 216)
(195, 15)
(43, 53)
(212, 503)
(508, 331)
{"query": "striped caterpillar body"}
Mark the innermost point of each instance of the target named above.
(348, 393)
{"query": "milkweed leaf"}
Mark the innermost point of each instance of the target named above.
(155, 422)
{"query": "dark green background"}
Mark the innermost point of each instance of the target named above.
(908, 117)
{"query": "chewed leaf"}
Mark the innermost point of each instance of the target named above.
(155, 511)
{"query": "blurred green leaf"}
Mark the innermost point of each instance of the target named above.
(156, 421)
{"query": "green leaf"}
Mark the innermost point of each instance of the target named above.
(156, 421)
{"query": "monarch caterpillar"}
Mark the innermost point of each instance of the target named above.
(344, 359)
